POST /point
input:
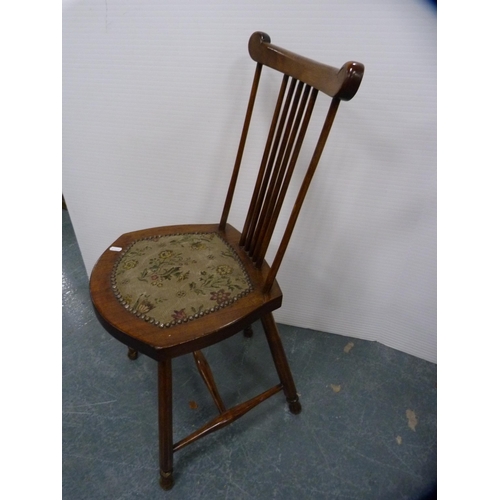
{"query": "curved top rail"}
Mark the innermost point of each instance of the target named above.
(342, 83)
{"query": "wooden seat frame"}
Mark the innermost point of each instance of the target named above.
(302, 80)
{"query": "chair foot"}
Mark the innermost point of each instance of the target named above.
(166, 480)
(248, 332)
(294, 406)
(132, 354)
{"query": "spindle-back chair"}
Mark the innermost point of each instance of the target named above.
(169, 291)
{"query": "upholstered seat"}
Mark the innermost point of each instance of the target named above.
(173, 290)
(171, 279)
(147, 283)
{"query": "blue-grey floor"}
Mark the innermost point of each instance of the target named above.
(367, 429)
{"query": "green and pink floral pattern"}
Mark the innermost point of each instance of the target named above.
(168, 280)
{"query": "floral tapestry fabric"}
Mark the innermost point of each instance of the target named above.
(172, 279)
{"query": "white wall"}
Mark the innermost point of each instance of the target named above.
(154, 94)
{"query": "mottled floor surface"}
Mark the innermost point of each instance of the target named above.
(367, 429)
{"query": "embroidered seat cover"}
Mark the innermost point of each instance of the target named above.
(171, 279)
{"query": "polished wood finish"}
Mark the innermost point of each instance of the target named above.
(165, 423)
(341, 83)
(302, 194)
(281, 363)
(208, 378)
(241, 147)
(302, 81)
(227, 417)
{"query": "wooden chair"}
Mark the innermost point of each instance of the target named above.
(169, 291)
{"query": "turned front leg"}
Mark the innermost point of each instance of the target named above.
(165, 423)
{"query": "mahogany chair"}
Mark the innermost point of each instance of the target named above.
(169, 291)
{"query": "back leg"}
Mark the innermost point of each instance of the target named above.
(248, 332)
(281, 363)
(132, 354)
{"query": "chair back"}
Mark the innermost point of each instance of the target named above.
(302, 80)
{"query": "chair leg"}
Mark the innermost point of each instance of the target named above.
(281, 363)
(208, 378)
(132, 354)
(165, 423)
